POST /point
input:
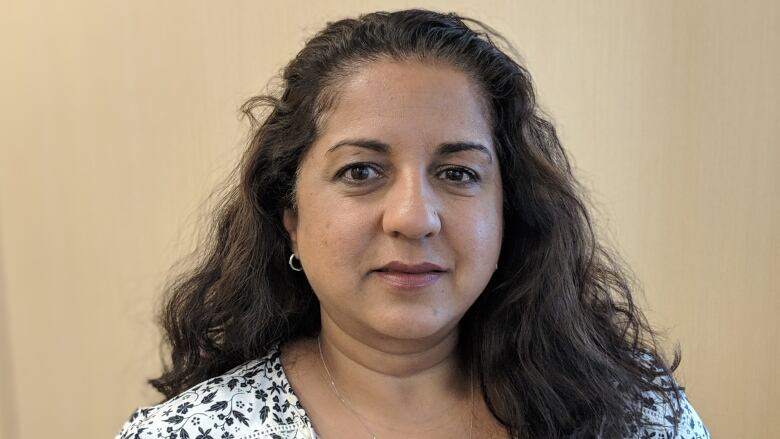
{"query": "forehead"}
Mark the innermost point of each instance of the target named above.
(406, 103)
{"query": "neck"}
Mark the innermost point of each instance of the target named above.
(392, 380)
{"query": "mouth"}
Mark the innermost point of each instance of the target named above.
(384, 270)
(410, 268)
(408, 281)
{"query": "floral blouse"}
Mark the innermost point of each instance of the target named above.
(255, 401)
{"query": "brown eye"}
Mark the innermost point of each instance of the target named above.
(357, 173)
(457, 175)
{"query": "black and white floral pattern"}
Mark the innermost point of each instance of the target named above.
(255, 401)
(657, 417)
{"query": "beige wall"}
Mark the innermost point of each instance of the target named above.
(118, 118)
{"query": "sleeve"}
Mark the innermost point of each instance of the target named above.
(657, 419)
(691, 425)
(132, 429)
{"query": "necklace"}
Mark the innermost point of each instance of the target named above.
(349, 407)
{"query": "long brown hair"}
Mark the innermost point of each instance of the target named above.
(555, 338)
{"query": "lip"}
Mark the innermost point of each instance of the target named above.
(401, 267)
(410, 276)
(409, 280)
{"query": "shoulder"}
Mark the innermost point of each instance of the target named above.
(657, 415)
(250, 400)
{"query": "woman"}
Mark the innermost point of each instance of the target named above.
(408, 255)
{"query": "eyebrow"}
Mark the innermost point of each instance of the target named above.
(443, 149)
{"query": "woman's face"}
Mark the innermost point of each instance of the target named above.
(404, 170)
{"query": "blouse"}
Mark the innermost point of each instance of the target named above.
(255, 401)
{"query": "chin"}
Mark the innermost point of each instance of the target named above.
(411, 327)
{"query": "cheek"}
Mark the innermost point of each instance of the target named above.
(329, 240)
(479, 227)
(481, 240)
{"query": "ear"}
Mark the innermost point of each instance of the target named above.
(290, 220)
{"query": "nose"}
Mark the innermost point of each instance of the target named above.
(411, 208)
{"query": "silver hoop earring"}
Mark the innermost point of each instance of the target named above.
(291, 263)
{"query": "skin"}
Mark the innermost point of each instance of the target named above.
(391, 352)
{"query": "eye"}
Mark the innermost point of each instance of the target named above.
(357, 173)
(456, 175)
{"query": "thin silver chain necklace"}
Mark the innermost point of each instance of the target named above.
(349, 407)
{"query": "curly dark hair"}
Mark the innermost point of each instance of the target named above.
(558, 345)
